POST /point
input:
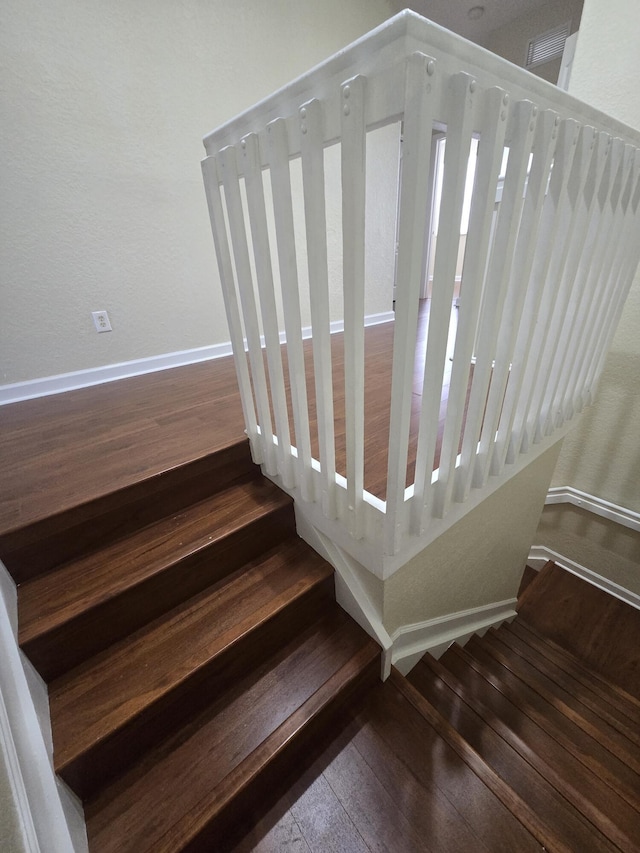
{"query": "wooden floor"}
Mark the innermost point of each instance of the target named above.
(60, 451)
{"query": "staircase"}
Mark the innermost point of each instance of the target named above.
(207, 693)
(508, 744)
(565, 742)
(192, 646)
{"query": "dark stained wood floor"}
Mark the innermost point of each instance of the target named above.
(388, 783)
(601, 630)
(59, 451)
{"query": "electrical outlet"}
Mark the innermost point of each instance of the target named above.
(101, 321)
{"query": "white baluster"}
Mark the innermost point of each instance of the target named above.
(225, 267)
(353, 233)
(237, 229)
(316, 230)
(460, 103)
(278, 149)
(622, 156)
(522, 325)
(413, 225)
(589, 269)
(543, 276)
(578, 304)
(570, 287)
(542, 395)
(511, 301)
(252, 169)
(519, 138)
(614, 285)
(630, 259)
(494, 112)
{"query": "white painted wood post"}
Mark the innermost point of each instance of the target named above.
(460, 105)
(278, 149)
(575, 318)
(519, 137)
(312, 142)
(252, 169)
(498, 345)
(543, 276)
(237, 229)
(225, 268)
(494, 116)
(353, 246)
(521, 331)
(414, 214)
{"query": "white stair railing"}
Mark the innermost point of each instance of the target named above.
(543, 280)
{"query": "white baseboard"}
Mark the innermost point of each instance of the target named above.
(540, 554)
(32, 784)
(18, 391)
(410, 642)
(592, 503)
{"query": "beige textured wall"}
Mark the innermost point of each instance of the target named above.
(601, 545)
(478, 561)
(103, 108)
(602, 455)
(512, 40)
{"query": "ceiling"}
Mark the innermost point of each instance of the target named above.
(453, 14)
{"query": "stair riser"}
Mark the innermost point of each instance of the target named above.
(114, 754)
(57, 539)
(59, 650)
(298, 753)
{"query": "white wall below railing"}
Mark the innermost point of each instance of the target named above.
(34, 796)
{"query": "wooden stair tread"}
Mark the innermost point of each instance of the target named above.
(170, 796)
(579, 785)
(597, 627)
(84, 522)
(433, 752)
(387, 782)
(575, 687)
(585, 748)
(630, 704)
(582, 716)
(103, 695)
(567, 828)
(360, 795)
(52, 599)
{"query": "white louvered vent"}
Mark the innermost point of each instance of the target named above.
(547, 46)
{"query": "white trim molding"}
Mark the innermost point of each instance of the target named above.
(32, 783)
(350, 593)
(47, 385)
(435, 636)
(540, 554)
(592, 503)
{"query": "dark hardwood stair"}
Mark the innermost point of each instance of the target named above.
(208, 694)
(187, 791)
(562, 738)
(91, 602)
(193, 647)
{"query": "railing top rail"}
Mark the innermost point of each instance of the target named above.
(390, 43)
